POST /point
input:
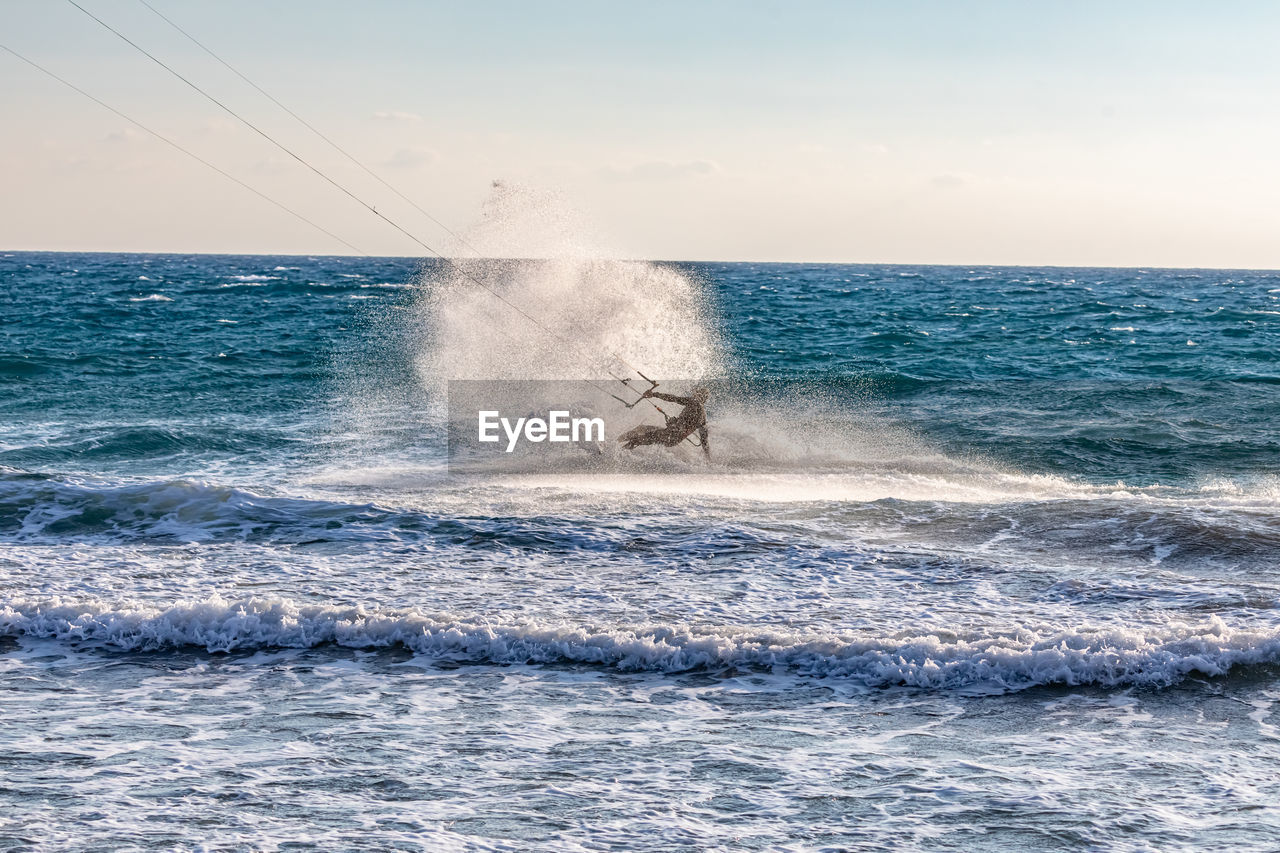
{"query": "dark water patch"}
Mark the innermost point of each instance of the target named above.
(70, 448)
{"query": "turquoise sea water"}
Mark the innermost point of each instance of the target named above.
(984, 558)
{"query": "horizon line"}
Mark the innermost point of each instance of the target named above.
(9, 252)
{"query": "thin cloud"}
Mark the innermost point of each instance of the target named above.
(946, 182)
(127, 135)
(219, 125)
(660, 170)
(396, 115)
(271, 166)
(412, 158)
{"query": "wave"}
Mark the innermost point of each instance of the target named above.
(1217, 519)
(21, 366)
(1012, 660)
(138, 442)
(39, 508)
(36, 506)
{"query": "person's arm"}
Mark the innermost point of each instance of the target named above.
(702, 437)
(670, 398)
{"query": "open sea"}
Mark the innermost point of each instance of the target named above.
(984, 559)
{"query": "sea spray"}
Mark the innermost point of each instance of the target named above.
(545, 300)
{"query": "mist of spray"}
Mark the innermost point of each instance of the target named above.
(581, 314)
(593, 317)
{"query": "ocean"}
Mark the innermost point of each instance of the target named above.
(984, 559)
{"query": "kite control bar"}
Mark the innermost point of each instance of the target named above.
(640, 399)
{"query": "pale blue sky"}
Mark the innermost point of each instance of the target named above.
(982, 132)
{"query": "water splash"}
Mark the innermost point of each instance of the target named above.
(589, 314)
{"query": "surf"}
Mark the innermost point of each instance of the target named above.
(1011, 659)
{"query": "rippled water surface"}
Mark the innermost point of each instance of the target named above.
(984, 559)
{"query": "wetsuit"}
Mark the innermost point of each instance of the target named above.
(692, 418)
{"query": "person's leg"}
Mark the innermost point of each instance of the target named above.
(640, 435)
(672, 436)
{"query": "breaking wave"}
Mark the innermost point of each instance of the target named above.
(1012, 660)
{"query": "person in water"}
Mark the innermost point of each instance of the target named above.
(693, 418)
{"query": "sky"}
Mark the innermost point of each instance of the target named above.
(1082, 133)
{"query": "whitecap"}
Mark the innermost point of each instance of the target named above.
(1020, 657)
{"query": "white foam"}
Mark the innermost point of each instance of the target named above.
(252, 279)
(1018, 658)
(154, 297)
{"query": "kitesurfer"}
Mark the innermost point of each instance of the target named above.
(692, 418)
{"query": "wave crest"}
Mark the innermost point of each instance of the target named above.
(1017, 659)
